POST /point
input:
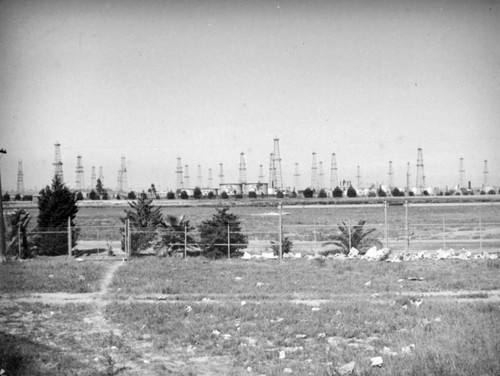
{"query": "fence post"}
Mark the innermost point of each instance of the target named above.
(349, 232)
(480, 236)
(127, 239)
(444, 234)
(185, 242)
(386, 227)
(407, 229)
(281, 230)
(69, 237)
(19, 240)
(228, 241)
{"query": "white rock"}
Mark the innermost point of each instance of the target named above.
(353, 253)
(376, 361)
(246, 256)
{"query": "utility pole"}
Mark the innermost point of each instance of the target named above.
(3, 245)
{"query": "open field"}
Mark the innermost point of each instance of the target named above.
(165, 316)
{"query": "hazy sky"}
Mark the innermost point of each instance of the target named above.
(371, 81)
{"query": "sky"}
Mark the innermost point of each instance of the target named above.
(153, 81)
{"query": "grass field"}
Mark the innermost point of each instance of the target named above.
(201, 317)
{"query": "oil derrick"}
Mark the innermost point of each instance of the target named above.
(420, 183)
(122, 185)
(278, 178)
(58, 162)
(79, 174)
(461, 173)
(93, 179)
(485, 173)
(296, 177)
(314, 173)
(186, 176)
(221, 173)
(358, 177)
(321, 176)
(178, 172)
(101, 175)
(243, 169)
(391, 177)
(261, 175)
(334, 180)
(407, 189)
(210, 179)
(272, 171)
(20, 178)
(200, 177)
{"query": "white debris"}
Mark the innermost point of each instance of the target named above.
(246, 256)
(353, 253)
(243, 303)
(282, 354)
(300, 336)
(376, 361)
(387, 351)
(416, 302)
(287, 370)
(215, 332)
(374, 254)
(315, 309)
(368, 283)
(347, 369)
(407, 349)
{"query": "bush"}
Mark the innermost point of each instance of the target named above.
(351, 192)
(17, 197)
(308, 193)
(238, 196)
(55, 205)
(491, 192)
(224, 195)
(93, 195)
(28, 198)
(6, 197)
(279, 194)
(337, 192)
(252, 194)
(211, 195)
(79, 196)
(131, 195)
(197, 193)
(381, 192)
(118, 197)
(170, 195)
(184, 195)
(143, 219)
(396, 192)
(356, 236)
(293, 194)
(322, 193)
(214, 234)
(286, 246)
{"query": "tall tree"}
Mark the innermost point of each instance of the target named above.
(56, 205)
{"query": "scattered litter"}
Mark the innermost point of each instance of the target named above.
(243, 303)
(280, 319)
(376, 361)
(321, 335)
(237, 278)
(188, 309)
(146, 361)
(249, 369)
(415, 278)
(246, 256)
(315, 309)
(282, 354)
(287, 370)
(437, 319)
(353, 253)
(387, 351)
(400, 280)
(226, 336)
(338, 313)
(407, 349)
(215, 332)
(374, 254)
(300, 336)
(416, 302)
(374, 296)
(347, 369)
(368, 283)
(51, 275)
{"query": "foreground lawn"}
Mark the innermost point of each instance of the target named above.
(300, 278)
(50, 274)
(274, 338)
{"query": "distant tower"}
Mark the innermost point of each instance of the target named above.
(79, 174)
(272, 171)
(101, 175)
(334, 180)
(210, 179)
(186, 176)
(20, 178)
(314, 173)
(243, 169)
(461, 173)
(122, 185)
(358, 176)
(485, 173)
(93, 179)
(57, 162)
(178, 173)
(261, 174)
(407, 179)
(278, 178)
(296, 177)
(200, 178)
(321, 176)
(391, 176)
(420, 171)
(221, 173)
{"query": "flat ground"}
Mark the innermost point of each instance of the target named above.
(152, 316)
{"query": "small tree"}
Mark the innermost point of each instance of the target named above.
(170, 195)
(99, 187)
(79, 196)
(184, 195)
(224, 195)
(131, 195)
(93, 195)
(118, 197)
(381, 192)
(396, 192)
(17, 197)
(144, 219)
(55, 205)
(280, 194)
(197, 193)
(308, 193)
(286, 246)
(252, 194)
(211, 195)
(172, 235)
(356, 236)
(351, 192)
(6, 197)
(337, 192)
(214, 234)
(322, 193)
(293, 194)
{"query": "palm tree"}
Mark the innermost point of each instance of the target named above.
(174, 234)
(353, 237)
